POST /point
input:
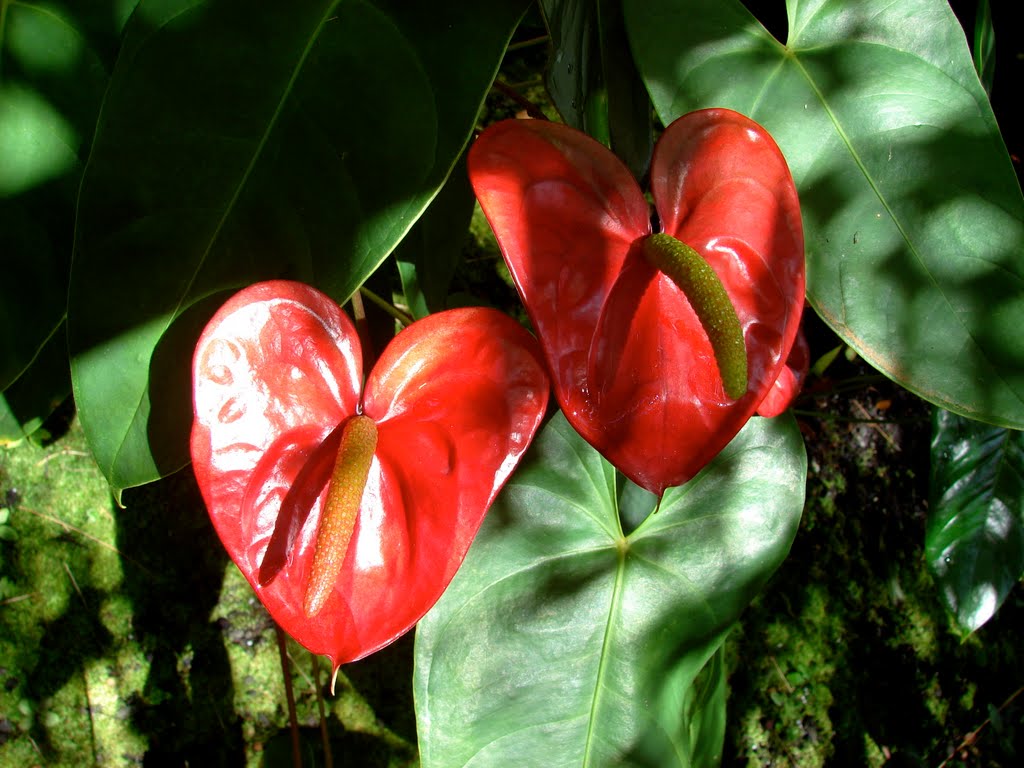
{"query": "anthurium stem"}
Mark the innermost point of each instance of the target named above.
(402, 317)
(324, 738)
(344, 494)
(712, 305)
(286, 674)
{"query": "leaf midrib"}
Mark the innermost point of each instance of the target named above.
(599, 687)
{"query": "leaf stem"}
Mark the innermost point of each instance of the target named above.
(324, 738)
(397, 314)
(282, 650)
(508, 91)
(538, 40)
(972, 737)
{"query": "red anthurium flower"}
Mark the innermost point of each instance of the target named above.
(790, 381)
(412, 459)
(657, 360)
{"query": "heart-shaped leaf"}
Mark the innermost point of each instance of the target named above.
(635, 370)
(563, 636)
(975, 536)
(912, 210)
(278, 375)
(236, 144)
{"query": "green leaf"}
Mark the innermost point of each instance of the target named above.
(974, 542)
(913, 216)
(574, 75)
(428, 256)
(561, 636)
(593, 81)
(704, 710)
(53, 69)
(984, 45)
(300, 140)
(37, 393)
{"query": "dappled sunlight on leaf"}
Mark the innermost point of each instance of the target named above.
(553, 597)
(902, 173)
(37, 144)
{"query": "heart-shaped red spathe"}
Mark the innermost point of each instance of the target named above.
(456, 397)
(633, 369)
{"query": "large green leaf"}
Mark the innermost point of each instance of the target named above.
(564, 641)
(913, 215)
(975, 536)
(428, 256)
(593, 81)
(298, 140)
(54, 64)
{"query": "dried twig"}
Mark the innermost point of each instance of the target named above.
(778, 670)
(972, 737)
(324, 737)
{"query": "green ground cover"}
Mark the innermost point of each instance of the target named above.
(128, 638)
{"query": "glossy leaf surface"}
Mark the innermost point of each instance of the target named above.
(564, 642)
(299, 141)
(633, 368)
(277, 375)
(975, 536)
(912, 210)
(592, 79)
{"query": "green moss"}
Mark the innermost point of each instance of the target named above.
(875, 671)
(873, 753)
(794, 680)
(128, 637)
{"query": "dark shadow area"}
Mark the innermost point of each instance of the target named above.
(1007, 74)
(772, 16)
(347, 749)
(883, 681)
(59, 422)
(186, 710)
(384, 679)
(75, 638)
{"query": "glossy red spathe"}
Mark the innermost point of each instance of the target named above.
(786, 388)
(277, 373)
(632, 366)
